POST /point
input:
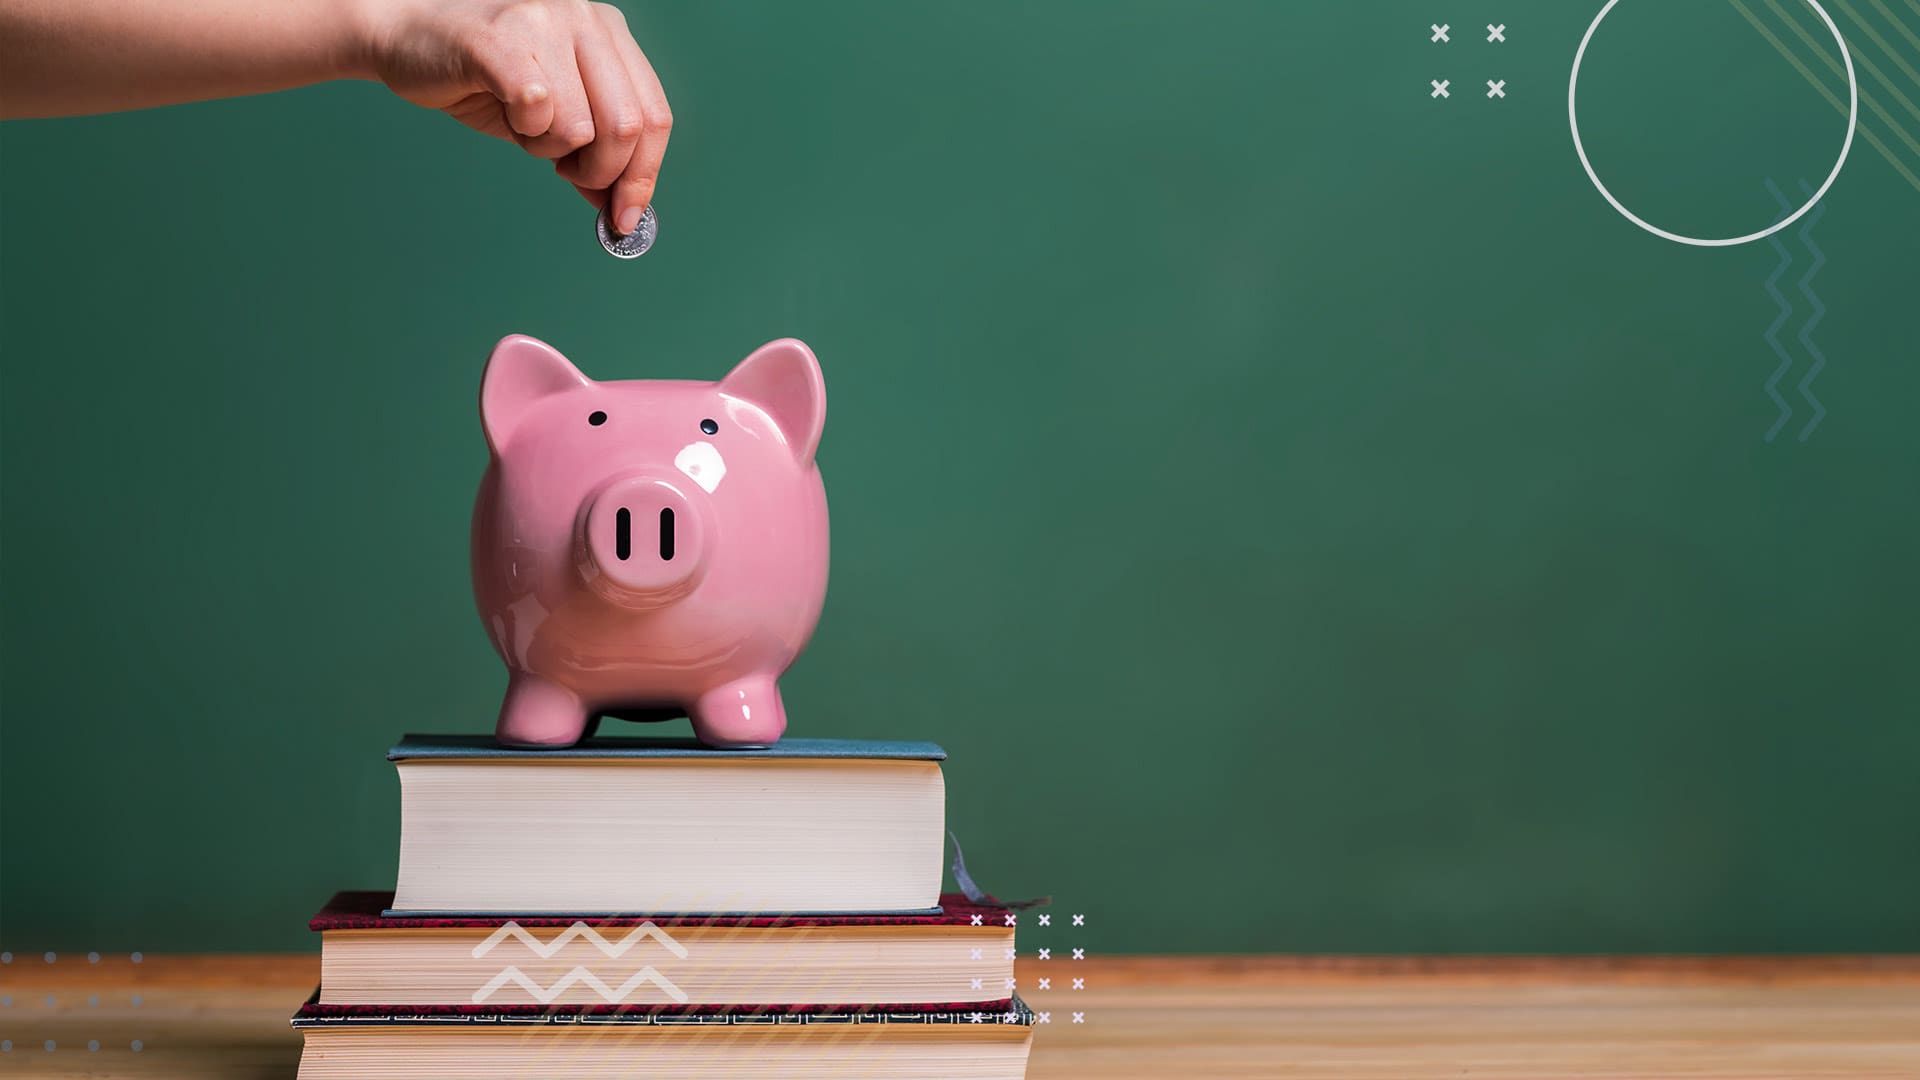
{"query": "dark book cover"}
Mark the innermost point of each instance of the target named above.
(1008, 1011)
(368, 911)
(617, 747)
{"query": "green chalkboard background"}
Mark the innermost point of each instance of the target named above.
(1309, 515)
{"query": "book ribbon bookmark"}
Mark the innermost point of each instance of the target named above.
(978, 895)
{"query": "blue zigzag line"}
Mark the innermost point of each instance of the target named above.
(1786, 312)
(1819, 312)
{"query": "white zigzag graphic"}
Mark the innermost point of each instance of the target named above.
(579, 975)
(579, 930)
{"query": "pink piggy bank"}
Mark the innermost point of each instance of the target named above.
(646, 548)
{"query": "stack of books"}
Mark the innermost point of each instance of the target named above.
(651, 908)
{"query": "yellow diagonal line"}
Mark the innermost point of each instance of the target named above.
(1838, 105)
(1915, 5)
(1898, 25)
(1874, 36)
(1833, 65)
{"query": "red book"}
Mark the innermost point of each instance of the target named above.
(959, 959)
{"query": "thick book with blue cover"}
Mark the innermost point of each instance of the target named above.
(599, 747)
(644, 826)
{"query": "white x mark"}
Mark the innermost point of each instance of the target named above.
(1079, 1018)
(1046, 984)
(977, 984)
(1046, 954)
(1009, 918)
(1079, 984)
(976, 954)
(1010, 1018)
(1009, 984)
(1079, 954)
(1439, 90)
(1440, 31)
(1496, 89)
(1079, 920)
(975, 1018)
(1009, 952)
(1043, 1018)
(1496, 33)
(1046, 920)
(976, 920)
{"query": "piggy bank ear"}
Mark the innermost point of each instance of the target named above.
(783, 379)
(521, 371)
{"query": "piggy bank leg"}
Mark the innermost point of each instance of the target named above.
(538, 713)
(740, 715)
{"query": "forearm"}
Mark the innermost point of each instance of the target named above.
(68, 57)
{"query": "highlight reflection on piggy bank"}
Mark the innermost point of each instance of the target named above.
(649, 547)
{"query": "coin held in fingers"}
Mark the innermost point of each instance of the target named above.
(629, 245)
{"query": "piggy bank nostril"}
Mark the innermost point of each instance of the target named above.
(623, 534)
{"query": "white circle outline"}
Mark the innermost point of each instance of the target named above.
(1853, 119)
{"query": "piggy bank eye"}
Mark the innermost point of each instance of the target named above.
(709, 427)
(597, 418)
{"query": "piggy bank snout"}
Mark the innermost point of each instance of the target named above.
(644, 538)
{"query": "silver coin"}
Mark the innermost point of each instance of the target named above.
(633, 244)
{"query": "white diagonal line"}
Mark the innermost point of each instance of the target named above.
(580, 930)
(579, 975)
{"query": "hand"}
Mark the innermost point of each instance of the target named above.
(562, 78)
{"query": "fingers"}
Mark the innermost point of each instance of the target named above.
(517, 81)
(574, 87)
(617, 118)
(633, 190)
(572, 122)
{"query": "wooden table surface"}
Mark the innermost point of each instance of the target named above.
(224, 1017)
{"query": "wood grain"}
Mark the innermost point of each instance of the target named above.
(1350, 1018)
